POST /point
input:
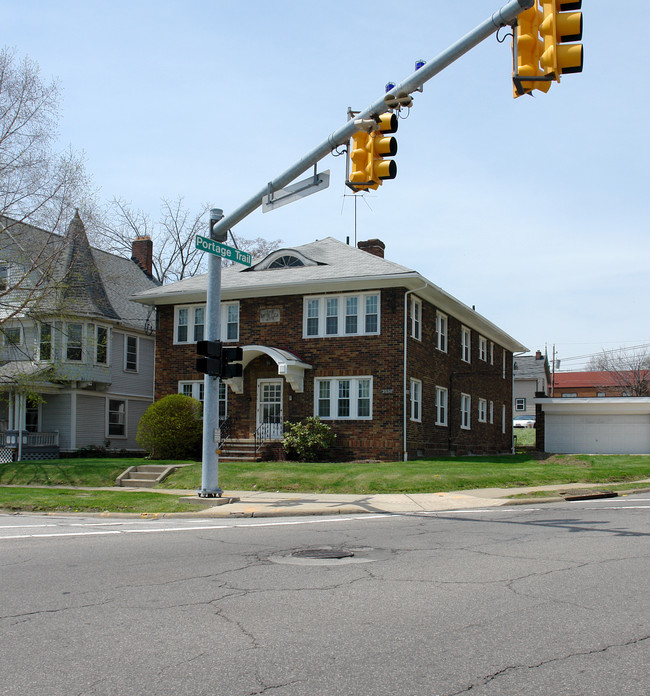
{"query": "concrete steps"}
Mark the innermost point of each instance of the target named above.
(240, 451)
(144, 475)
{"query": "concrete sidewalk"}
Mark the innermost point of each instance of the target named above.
(265, 504)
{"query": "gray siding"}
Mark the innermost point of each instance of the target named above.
(91, 420)
(138, 383)
(56, 416)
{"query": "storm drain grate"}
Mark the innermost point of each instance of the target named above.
(323, 553)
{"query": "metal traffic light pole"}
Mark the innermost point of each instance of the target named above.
(211, 434)
(503, 17)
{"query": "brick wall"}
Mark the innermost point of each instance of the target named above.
(377, 356)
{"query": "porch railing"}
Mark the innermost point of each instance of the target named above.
(12, 438)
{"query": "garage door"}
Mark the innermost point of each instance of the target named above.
(604, 434)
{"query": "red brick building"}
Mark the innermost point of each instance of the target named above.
(398, 367)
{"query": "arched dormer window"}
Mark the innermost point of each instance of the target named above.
(286, 261)
(283, 258)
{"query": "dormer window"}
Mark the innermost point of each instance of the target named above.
(286, 262)
(283, 258)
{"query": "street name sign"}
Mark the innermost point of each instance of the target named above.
(226, 252)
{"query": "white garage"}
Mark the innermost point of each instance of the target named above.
(619, 425)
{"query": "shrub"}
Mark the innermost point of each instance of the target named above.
(171, 428)
(309, 440)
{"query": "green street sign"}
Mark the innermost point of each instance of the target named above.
(226, 252)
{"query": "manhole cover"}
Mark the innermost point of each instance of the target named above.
(323, 553)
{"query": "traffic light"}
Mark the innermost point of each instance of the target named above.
(210, 363)
(528, 49)
(361, 158)
(218, 360)
(369, 168)
(231, 358)
(561, 25)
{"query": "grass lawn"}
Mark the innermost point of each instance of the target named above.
(422, 476)
(34, 499)
(68, 472)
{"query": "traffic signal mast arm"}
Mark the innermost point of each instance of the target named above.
(501, 18)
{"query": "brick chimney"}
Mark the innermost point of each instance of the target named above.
(538, 355)
(142, 254)
(373, 246)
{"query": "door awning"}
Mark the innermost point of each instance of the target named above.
(290, 366)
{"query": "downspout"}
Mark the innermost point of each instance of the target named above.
(406, 322)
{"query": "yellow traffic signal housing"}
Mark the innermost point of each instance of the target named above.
(561, 25)
(528, 49)
(361, 157)
(369, 168)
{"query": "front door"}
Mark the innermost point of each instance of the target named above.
(269, 408)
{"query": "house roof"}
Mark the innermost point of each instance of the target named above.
(576, 380)
(89, 282)
(337, 267)
(530, 367)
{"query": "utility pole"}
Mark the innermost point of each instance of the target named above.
(211, 431)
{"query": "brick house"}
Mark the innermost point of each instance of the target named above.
(599, 383)
(397, 366)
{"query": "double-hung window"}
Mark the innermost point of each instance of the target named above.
(130, 353)
(190, 322)
(341, 315)
(101, 345)
(416, 400)
(4, 275)
(441, 331)
(45, 341)
(74, 342)
(465, 344)
(196, 389)
(416, 318)
(343, 398)
(482, 348)
(116, 418)
(465, 411)
(441, 406)
(482, 410)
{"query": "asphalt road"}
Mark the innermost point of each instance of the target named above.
(549, 599)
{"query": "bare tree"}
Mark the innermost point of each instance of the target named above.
(38, 186)
(175, 255)
(629, 368)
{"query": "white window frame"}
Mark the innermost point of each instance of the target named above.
(4, 275)
(317, 309)
(482, 348)
(442, 406)
(503, 418)
(69, 345)
(41, 342)
(125, 419)
(196, 389)
(127, 368)
(196, 330)
(491, 352)
(6, 338)
(465, 344)
(333, 397)
(416, 318)
(465, 411)
(491, 411)
(99, 327)
(520, 403)
(416, 400)
(442, 328)
(482, 410)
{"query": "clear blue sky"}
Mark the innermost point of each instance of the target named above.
(534, 210)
